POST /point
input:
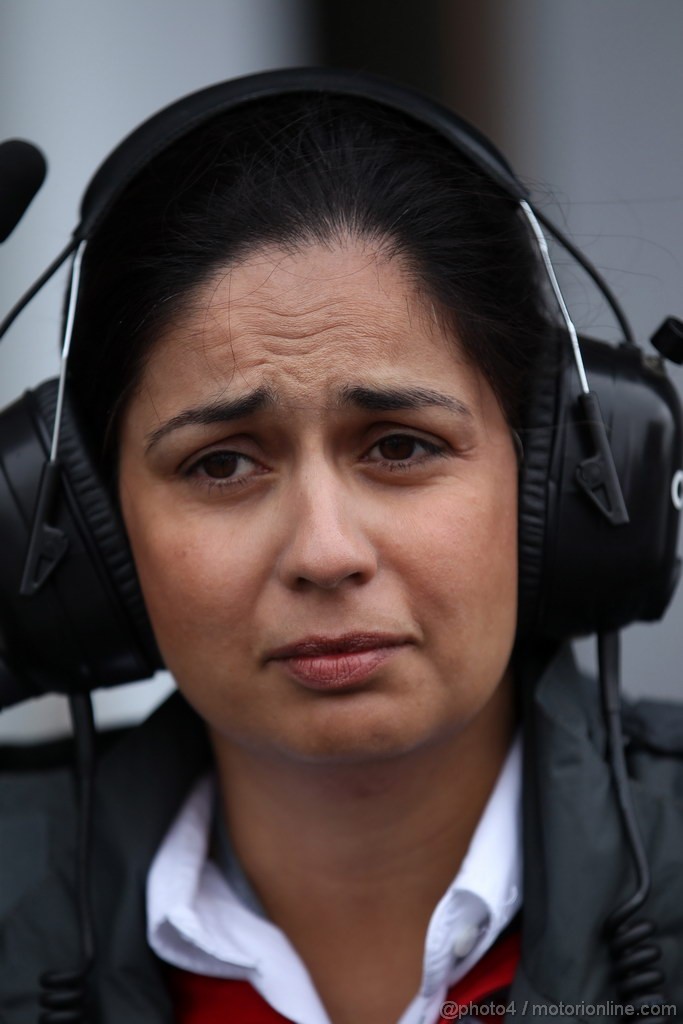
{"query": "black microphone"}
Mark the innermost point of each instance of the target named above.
(22, 171)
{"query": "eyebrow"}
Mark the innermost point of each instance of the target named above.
(373, 399)
(391, 399)
(216, 412)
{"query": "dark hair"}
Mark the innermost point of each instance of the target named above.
(290, 170)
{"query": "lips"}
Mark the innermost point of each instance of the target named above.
(347, 643)
(335, 663)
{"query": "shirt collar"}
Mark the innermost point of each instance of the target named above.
(196, 921)
(486, 893)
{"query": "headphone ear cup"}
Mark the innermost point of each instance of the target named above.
(580, 573)
(86, 626)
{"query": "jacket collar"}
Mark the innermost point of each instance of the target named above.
(142, 781)
(575, 870)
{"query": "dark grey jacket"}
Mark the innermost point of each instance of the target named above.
(576, 871)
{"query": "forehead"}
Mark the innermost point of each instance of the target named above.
(302, 324)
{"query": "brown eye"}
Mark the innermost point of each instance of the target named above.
(404, 452)
(220, 465)
(398, 447)
(224, 468)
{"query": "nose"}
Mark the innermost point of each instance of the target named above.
(326, 543)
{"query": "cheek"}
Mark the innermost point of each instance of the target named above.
(199, 582)
(468, 543)
(467, 564)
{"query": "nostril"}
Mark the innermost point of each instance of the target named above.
(327, 559)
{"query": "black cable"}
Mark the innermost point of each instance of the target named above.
(639, 980)
(63, 992)
(593, 273)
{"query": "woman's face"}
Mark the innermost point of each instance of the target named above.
(321, 497)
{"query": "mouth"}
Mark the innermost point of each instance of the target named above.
(337, 663)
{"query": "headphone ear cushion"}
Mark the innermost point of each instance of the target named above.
(535, 486)
(100, 520)
(580, 571)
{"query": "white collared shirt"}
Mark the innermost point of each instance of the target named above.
(196, 921)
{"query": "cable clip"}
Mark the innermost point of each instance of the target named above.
(48, 544)
(597, 475)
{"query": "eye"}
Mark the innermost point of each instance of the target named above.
(221, 465)
(222, 468)
(398, 446)
(401, 451)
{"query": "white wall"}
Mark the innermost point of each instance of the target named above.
(75, 77)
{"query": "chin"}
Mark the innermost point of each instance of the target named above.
(363, 730)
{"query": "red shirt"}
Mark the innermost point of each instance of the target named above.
(199, 999)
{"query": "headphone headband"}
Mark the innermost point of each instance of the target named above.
(177, 120)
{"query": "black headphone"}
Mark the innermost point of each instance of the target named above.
(601, 486)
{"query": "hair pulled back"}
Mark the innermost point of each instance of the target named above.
(288, 171)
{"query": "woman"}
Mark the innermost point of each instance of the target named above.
(306, 336)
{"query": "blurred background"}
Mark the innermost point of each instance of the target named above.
(585, 99)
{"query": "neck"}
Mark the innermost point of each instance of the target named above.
(361, 853)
